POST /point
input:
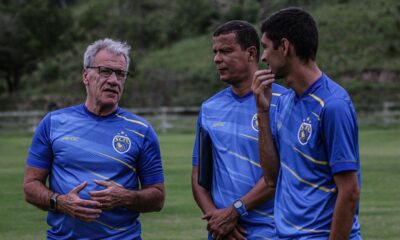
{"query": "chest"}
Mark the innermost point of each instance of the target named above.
(95, 145)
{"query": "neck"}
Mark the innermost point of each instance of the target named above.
(242, 88)
(302, 76)
(100, 110)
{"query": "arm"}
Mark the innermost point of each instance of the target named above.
(201, 195)
(269, 160)
(223, 221)
(39, 195)
(148, 199)
(216, 217)
(36, 193)
(346, 204)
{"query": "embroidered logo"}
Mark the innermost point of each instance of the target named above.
(70, 138)
(121, 142)
(218, 124)
(305, 131)
(254, 122)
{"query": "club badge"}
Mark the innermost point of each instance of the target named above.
(254, 122)
(305, 131)
(121, 142)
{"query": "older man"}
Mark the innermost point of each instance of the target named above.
(103, 163)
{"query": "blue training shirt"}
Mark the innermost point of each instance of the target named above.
(316, 135)
(231, 122)
(76, 145)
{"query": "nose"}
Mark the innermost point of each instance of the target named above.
(264, 57)
(217, 58)
(112, 79)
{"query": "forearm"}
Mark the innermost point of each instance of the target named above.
(258, 195)
(342, 218)
(267, 152)
(345, 207)
(148, 199)
(38, 194)
(35, 190)
(201, 195)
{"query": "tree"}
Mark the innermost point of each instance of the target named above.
(30, 31)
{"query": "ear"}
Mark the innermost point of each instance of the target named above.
(252, 53)
(285, 45)
(85, 76)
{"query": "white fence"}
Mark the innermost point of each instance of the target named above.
(183, 119)
(163, 119)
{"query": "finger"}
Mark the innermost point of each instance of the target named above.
(98, 194)
(86, 217)
(89, 203)
(262, 72)
(259, 79)
(206, 216)
(264, 84)
(87, 211)
(236, 234)
(102, 183)
(79, 188)
(241, 230)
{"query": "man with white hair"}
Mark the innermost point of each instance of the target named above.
(103, 163)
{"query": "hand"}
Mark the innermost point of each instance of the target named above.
(262, 88)
(110, 197)
(238, 233)
(73, 205)
(221, 221)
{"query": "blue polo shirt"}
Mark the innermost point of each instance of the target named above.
(231, 122)
(76, 146)
(316, 135)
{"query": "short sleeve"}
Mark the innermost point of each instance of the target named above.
(340, 134)
(195, 156)
(40, 152)
(150, 169)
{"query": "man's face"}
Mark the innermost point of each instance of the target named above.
(232, 62)
(103, 90)
(272, 57)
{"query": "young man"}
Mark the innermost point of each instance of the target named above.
(316, 166)
(103, 163)
(239, 204)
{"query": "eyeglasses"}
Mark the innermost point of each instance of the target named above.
(106, 72)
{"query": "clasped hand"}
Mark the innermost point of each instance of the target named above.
(90, 210)
(223, 224)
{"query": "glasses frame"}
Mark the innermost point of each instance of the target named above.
(116, 72)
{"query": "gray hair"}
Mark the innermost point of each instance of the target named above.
(113, 46)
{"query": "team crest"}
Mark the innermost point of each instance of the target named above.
(121, 143)
(254, 122)
(304, 133)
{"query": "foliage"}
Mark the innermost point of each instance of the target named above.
(30, 32)
(172, 59)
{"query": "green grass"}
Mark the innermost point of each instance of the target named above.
(180, 218)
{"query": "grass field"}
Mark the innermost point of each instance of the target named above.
(180, 218)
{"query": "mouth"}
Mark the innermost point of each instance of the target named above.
(221, 70)
(109, 90)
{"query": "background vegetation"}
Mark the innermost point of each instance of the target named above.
(180, 218)
(42, 42)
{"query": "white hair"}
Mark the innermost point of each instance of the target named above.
(113, 46)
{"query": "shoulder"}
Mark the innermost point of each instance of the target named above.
(132, 118)
(219, 96)
(333, 94)
(278, 89)
(63, 113)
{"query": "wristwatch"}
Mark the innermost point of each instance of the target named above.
(240, 208)
(53, 202)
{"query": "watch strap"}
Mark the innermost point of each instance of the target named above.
(53, 202)
(240, 208)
